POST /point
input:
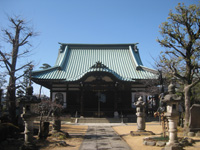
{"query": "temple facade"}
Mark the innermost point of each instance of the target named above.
(96, 80)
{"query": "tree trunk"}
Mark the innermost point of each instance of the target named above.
(40, 91)
(187, 105)
(12, 81)
(43, 130)
(11, 104)
(1, 93)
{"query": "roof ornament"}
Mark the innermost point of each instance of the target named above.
(135, 48)
(98, 65)
(62, 47)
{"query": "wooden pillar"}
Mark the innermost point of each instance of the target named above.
(66, 100)
(116, 101)
(81, 100)
(51, 94)
(81, 111)
(116, 97)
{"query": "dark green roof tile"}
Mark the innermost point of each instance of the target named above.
(76, 60)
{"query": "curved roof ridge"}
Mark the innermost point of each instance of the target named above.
(62, 54)
(149, 69)
(99, 67)
(97, 44)
(100, 70)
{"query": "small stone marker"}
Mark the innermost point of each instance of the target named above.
(194, 123)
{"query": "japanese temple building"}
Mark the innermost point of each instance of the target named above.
(96, 79)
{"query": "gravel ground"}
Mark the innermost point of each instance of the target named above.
(136, 143)
(77, 133)
(73, 143)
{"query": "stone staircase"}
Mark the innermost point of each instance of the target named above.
(99, 120)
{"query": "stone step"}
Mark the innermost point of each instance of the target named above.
(99, 120)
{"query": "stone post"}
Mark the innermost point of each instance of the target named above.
(28, 116)
(28, 131)
(173, 139)
(56, 125)
(140, 112)
(172, 114)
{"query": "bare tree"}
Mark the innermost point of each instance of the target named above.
(2, 83)
(46, 109)
(181, 38)
(17, 35)
(151, 87)
(44, 66)
(26, 81)
(2, 79)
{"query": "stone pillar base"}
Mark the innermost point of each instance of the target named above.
(192, 134)
(56, 126)
(141, 130)
(173, 147)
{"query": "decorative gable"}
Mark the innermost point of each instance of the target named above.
(99, 65)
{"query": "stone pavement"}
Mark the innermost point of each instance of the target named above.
(103, 138)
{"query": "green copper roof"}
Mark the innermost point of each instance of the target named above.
(76, 60)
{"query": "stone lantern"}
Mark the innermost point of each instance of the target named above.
(56, 126)
(140, 112)
(172, 114)
(28, 116)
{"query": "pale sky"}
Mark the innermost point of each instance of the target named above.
(92, 22)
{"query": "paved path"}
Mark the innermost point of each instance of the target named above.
(103, 138)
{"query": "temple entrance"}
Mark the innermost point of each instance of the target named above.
(98, 103)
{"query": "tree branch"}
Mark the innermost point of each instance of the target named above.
(173, 53)
(6, 62)
(11, 40)
(19, 86)
(194, 83)
(175, 73)
(25, 52)
(20, 76)
(24, 66)
(24, 40)
(18, 22)
(177, 50)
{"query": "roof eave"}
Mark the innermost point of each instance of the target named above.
(101, 44)
(44, 70)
